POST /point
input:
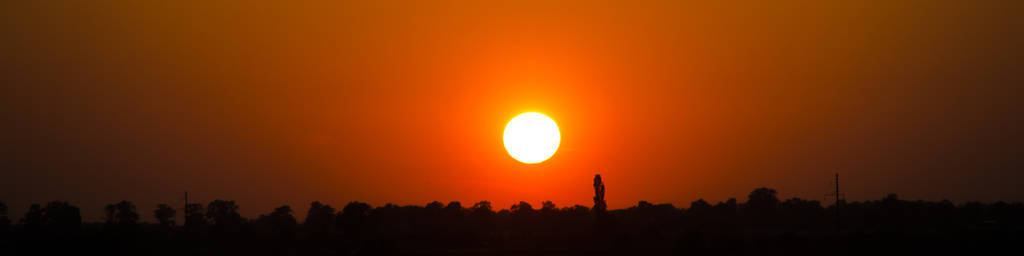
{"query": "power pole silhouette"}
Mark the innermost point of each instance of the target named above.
(186, 208)
(838, 225)
(839, 198)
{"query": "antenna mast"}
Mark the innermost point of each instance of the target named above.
(838, 225)
(838, 198)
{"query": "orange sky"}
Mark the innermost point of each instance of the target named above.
(405, 102)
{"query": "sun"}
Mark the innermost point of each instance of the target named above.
(532, 137)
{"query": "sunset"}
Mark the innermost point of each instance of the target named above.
(531, 138)
(615, 120)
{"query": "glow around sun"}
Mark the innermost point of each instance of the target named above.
(532, 137)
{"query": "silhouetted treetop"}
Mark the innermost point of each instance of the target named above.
(195, 217)
(600, 206)
(548, 207)
(762, 199)
(482, 208)
(5, 221)
(164, 215)
(33, 219)
(522, 209)
(434, 206)
(762, 223)
(280, 223)
(57, 216)
(121, 213)
(699, 205)
(223, 216)
(320, 219)
(646, 228)
(358, 209)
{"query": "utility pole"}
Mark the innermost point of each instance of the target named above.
(838, 225)
(838, 198)
(186, 208)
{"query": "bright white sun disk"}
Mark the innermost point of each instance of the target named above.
(532, 137)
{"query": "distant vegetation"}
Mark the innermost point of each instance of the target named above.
(762, 224)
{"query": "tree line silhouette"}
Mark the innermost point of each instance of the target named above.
(763, 224)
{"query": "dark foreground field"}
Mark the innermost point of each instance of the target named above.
(761, 225)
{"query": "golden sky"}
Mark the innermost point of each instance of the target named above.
(271, 103)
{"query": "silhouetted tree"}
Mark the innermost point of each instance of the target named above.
(353, 218)
(481, 219)
(548, 207)
(482, 207)
(888, 224)
(5, 222)
(60, 217)
(600, 207)
(699, 215)
(452, 218)
(522, 209)
(453, 209)
(223, 216)
(652, 220)
(761, 207)
(763, 198)
(280, 222)
(577, 210)
(523, 219)
(725, 214)
(699, 205)
(122, 213)
(434, 207)
(164, 215)
(727, 208)
(195, 218)
(548, 211)
(643, 204)
(893, 212)
(33, 220)
(320, 219)
(801, 214)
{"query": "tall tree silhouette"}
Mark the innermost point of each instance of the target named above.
(164, 215)
(600, 207)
